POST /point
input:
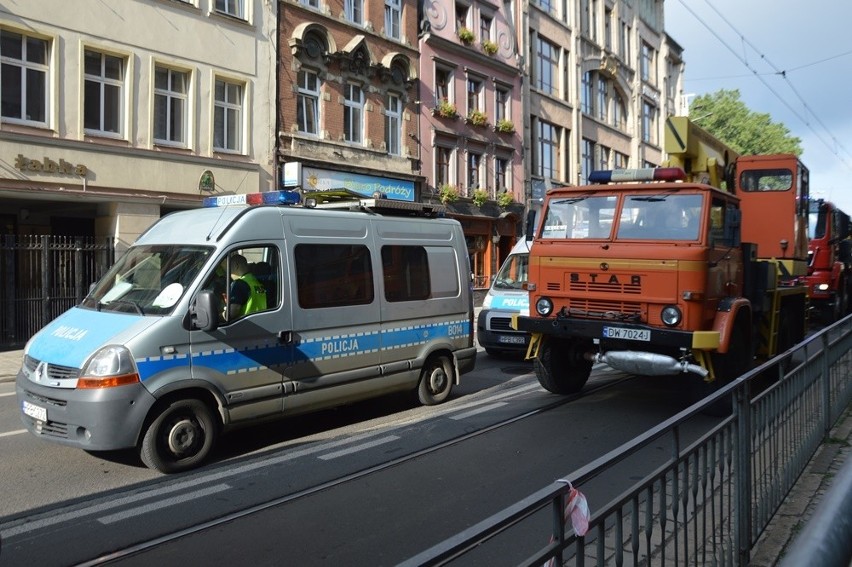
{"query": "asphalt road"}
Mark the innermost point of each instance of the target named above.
(366, 485)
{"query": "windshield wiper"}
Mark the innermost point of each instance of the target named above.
(132, 304)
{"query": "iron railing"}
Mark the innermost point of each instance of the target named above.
(709, 500)
(43, 276)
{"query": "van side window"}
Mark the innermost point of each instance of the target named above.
(333, 275)
(406, 273)
(246, 281)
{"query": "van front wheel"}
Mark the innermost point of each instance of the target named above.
(180, 437)
(436, 381)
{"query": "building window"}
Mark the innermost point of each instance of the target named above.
(23, 78)
(501, 171)
(546, 5)
(503, 104)
(485, 28)
(462, 16)
(443, 161)
(647, 64)
(546, 163)
(228, 117)
(353, 113)
(354, 11)
(586, 93)
(307, 102)
(170, 105)
(474, 95)
(602, 98)
(104, 87)
(608, 29)
(620, 160)
(587, 160)
(234, 8)
(443, 82)
(546, 66)
(619, 111)
(649, 123)
(393, 18)
(393, 125)
(474, 163)
(624, 43)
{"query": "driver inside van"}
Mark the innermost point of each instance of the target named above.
(247, 294)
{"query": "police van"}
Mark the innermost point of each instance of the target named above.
(246, 311)
(507, 296)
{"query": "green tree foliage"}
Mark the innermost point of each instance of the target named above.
(727, 118)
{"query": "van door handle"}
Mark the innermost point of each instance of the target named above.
(285, 337)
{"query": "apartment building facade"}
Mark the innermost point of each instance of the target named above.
(347, 89)
(603, 77)
(471, 122)
(114, 114)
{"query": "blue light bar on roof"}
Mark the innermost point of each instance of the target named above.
(646, 174)
(252, 199)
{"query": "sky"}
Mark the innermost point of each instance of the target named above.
(790, 59)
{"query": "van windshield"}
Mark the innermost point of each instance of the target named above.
(513, 274)
(148, 280)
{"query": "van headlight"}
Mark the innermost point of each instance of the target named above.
(544, 306)
(671, 315)
(109, 367)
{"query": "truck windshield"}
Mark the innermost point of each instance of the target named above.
(660, 217)
(148, 280)
(579, 218)
(513, 274)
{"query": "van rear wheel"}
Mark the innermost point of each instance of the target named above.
(180, 437)
(436, 381)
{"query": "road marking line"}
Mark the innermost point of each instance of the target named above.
(361, 447)
(119, 516)
(10, 433)
(7, 394)
(481, 409)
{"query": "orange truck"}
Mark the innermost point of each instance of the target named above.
(829, 278)
(689, 270)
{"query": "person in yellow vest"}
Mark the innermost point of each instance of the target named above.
(247, 294)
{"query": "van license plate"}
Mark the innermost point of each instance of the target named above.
(511, 340)
(627, 334)
(36, 412)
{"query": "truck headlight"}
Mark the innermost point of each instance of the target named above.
(544, 306)
(671, 315)
(109, 367)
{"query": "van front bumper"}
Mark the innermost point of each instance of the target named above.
(493, 331)
(96, 420)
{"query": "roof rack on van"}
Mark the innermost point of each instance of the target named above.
(346, 200)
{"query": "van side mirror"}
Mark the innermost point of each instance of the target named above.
(203, 314)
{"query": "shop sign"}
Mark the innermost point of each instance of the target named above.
(315, 179)
(47, 165)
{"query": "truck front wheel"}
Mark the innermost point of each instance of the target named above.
(180, 437)
(561, 367)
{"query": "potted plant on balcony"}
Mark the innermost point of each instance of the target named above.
(489, 47)
(466, 36)
(504, 126)
(504, 199)
(477, 117)
(445, 109)
(449, 193)
(479, 197)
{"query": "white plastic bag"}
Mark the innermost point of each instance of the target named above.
(576, 508)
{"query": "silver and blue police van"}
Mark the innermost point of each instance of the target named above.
(169, 350)
(507, 296)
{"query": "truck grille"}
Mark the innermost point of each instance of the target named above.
(596, 308)
(606, 287)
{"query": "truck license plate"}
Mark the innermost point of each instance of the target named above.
(511, 339)
(36, 412)
(627, 334)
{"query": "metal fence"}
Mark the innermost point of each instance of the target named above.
(710, 499)
(42, 276)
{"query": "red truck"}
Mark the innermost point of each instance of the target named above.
(829, 278)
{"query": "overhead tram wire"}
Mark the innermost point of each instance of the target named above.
(783, 74)
(807, 123)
